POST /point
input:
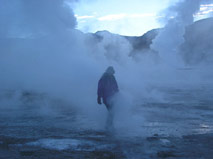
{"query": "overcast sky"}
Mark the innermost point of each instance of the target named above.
(129, 17)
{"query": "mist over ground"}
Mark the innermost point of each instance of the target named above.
(49, 73)
(44, 58)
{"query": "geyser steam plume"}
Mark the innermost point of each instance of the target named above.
(28, 17)
(41, 51)
(168, 42)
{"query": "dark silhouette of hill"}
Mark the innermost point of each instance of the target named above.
(198, 45)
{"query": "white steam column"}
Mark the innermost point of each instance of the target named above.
(170, 38)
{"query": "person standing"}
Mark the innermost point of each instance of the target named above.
(107, 88)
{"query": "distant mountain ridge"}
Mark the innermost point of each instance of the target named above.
(198, 45)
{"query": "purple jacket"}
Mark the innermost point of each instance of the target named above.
(107, 86)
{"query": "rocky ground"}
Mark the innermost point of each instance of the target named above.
(105, 146)
(179, 127)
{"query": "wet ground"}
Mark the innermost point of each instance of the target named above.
(178, 125)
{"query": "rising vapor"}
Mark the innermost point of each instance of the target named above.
(170, 39)
(41, 51)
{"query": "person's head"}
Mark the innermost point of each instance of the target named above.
(110, 70)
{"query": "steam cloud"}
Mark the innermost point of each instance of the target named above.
(168, 42)
(27, 17)
(41, 51)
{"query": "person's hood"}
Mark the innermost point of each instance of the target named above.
(110, 70)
